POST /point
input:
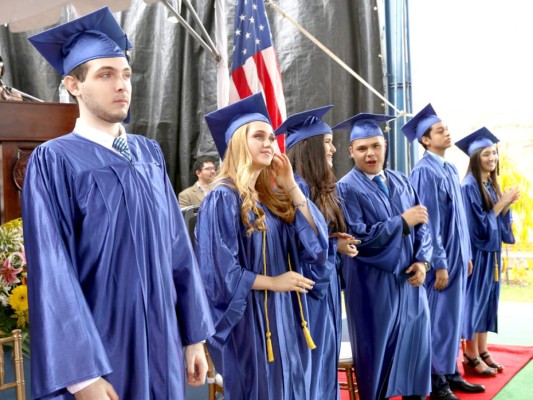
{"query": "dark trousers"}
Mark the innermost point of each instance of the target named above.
(439, 383)
(456, 377)
(407, 398)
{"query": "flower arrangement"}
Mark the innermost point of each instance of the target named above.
(13, 287)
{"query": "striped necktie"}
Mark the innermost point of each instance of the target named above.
(381, 186)
(121, 146)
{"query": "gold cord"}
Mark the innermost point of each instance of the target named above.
(270, 351)
(496, 274)
(309, 340)
(310, 343)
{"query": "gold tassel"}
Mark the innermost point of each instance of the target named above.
(309, 340)
(308, 337)
(496, 275)
(270, 350)
(310, 343)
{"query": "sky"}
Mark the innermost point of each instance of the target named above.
(473, 61)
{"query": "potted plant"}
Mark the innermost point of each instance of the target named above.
(13, 287)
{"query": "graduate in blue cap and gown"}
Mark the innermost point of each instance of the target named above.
(309, 144)
(437, 183)
(251, 242)
(490, 223)
(115, 295)
(386, 303)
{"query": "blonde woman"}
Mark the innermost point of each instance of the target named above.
(250, 240)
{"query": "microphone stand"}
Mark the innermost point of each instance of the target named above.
(25, 96)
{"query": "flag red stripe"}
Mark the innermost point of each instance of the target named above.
(270, 95)
(268, 89)
(269, 57)
(255, 62)
(241, 84)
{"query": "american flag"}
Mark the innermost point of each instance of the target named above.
(255, 68)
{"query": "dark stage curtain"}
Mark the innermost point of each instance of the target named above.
(174, 82)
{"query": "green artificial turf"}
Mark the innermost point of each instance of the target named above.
(519, 388)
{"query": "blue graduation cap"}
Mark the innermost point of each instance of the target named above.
(364, 125)
(95, 35)
(304, 125)
(224, 122)
(420, 123)
(477, 140)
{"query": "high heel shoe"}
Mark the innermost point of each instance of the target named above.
(497, 366)
(470, 366)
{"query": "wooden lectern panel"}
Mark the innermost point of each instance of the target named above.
(24, 126)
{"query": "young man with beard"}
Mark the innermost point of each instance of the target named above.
(115, 296)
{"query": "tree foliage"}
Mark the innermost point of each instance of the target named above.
(511, 176)
(515, 269)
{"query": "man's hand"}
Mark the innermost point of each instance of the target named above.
(98, 390)
(346, 244)
(441, 279)
(419, 274)
(416, 215)
(196, 364)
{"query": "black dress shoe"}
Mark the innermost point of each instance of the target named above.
(464, 386)
(443, 395)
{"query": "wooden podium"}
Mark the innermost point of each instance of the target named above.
(24, 126)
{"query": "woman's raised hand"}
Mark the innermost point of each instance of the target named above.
(282, 171)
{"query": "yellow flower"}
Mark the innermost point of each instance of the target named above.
(18, 299)
(13, 224)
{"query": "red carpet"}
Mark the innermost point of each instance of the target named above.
(513, 357)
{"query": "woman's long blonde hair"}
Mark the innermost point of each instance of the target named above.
(237, 167)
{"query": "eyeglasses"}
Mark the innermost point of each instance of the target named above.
(209, 169)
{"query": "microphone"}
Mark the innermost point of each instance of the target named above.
(26, 96)
(10, 92)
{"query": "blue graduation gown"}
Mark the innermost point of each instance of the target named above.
(324, 304)
(113, 285)
(487, 232)
(387, 318)
(439, 190)
(229, 263)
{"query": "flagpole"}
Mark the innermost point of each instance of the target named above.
(332, 55)
(202, 28)
(221, 39)
(189, 29)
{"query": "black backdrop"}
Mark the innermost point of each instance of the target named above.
(174, 82)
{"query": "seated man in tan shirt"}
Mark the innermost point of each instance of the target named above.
(205, 169)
